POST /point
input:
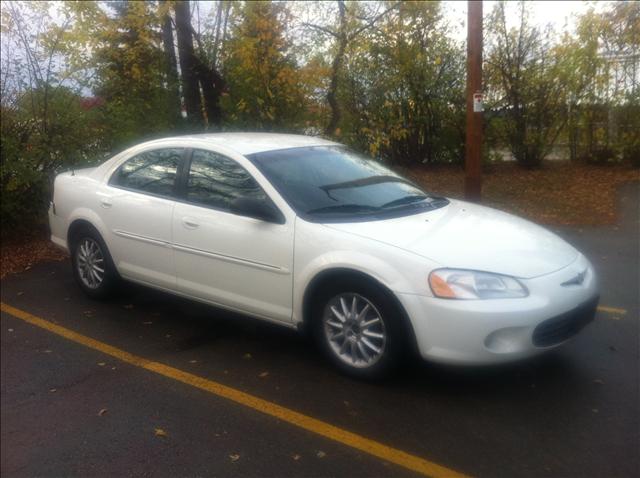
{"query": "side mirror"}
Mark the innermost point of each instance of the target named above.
(257, 209)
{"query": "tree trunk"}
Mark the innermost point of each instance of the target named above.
(171, 67)
(335, 71)
(212, 87)
(187, 57)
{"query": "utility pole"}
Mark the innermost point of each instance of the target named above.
(473, 145)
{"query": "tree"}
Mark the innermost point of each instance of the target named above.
(350, 26)
(197, 76)
(187, 56)
(605, 124)
(524, 77)
(404, 88)
(45, 126)
(131, 73)
(171, 63)
(263, 79)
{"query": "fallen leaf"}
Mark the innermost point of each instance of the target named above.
(159, 432)
(101, 364)
(264, 374)
(296, 457)
(113, 368)
(53, 390)
(321, 454)
(234, 457)
(102, 412)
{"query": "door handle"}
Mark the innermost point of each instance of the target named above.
(189, 223)
(106, 202)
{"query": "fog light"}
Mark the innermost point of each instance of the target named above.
(509, 340)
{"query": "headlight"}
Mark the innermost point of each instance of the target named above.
(461, 284)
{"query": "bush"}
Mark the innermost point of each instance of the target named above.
(601, 155)
(631, 153)
(38, 142)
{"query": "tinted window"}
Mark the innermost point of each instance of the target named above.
(151, 172)
(217, 181)
(332, 181)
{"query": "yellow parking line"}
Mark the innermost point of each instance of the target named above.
(611, 310)
(345, 437)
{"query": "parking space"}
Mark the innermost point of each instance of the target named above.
(69, 407)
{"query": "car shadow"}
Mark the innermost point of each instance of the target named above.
(203, 327)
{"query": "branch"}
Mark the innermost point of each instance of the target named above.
(322, 29)
(373, 21)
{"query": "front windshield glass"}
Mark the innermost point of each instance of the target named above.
(324, 182)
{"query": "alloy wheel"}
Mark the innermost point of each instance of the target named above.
(90, 263)
(354, 330)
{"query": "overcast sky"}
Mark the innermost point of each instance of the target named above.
(556, 13)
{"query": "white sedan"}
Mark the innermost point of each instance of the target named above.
(305, 233)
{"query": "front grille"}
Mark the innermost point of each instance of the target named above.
(560, 328)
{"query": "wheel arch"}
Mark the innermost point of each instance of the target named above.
(82, 223)
(328, 276)
(78, 225)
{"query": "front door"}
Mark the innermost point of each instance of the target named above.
(228, 258)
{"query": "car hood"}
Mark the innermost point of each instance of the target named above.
(467, 236)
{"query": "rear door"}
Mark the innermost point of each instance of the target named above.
(229, 258)
(137, 207)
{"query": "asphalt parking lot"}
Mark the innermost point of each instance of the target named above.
(151, 385)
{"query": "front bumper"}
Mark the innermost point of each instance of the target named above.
(477, 332)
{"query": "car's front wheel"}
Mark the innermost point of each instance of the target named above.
(359, 329)
(93, 268)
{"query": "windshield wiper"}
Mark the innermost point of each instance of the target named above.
(365, 182)
(343, 208)
(411, 198)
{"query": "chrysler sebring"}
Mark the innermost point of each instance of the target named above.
(305, 233)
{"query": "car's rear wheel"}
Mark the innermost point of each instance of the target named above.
(93, 268)
(359, 329)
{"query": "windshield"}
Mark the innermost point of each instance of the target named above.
(332, 182)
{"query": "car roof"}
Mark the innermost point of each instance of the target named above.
(250, 143)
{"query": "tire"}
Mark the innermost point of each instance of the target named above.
(371, 352)
(92, 266)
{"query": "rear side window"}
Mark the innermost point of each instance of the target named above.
(216, 181)
(153, 172)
